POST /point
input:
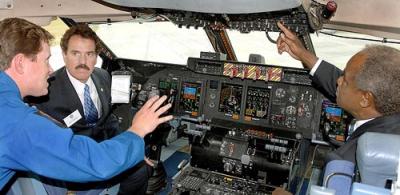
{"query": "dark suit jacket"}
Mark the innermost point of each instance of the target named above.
(325, 78)
(62, 100)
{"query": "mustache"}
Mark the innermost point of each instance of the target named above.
(51, 78)
(83, 66)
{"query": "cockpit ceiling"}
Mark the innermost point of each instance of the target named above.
(212, 6)
(378, 18)
(364, 17)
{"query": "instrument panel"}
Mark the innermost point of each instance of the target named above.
(232, 94)
(244, 120)
(223, 92)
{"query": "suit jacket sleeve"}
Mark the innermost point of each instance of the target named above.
(344, 152)
(108, 124)
(325, 79)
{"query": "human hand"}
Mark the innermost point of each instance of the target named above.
(280, 191)
(290, 43)
(148, 117)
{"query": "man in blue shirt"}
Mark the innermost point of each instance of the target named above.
(31, 142)
(72, 90)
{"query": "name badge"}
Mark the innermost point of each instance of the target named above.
(72, 118)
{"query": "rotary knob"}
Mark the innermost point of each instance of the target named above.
(228, 167)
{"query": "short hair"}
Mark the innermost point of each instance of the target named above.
(380, 75)
(20, 36)
(82, 30)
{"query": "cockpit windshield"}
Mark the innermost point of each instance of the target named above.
(165, 42)
(153, 41)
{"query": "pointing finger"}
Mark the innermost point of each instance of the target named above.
(286, 31)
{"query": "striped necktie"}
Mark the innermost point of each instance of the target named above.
(91, 114)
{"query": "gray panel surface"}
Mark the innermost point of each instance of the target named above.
(212, 6)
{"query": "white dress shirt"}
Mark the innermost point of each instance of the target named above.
(80, 88)
(315, 67)
(359, 123)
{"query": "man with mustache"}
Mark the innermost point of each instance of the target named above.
(70, 90)
(31, 142)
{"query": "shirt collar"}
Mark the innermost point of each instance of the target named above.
(361, 122)
(8, 85)
(79, 86)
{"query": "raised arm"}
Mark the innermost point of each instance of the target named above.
(290, 43)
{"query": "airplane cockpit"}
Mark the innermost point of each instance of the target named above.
(250, 122)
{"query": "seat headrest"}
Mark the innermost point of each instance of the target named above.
(377, 157)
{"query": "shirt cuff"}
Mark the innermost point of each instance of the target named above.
(315, 67)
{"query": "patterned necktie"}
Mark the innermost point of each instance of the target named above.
(91, 113)
(351, 128)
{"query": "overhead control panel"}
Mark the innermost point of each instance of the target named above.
(295, 20)
(244, 16)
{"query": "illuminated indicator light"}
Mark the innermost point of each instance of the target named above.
(228, 179)
(340, 138)
(247, 118)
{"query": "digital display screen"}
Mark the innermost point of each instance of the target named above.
(334, 121)
(257, 102)
(230, 99)
(333, 114)
(165, 85)
(190, 98)
(189, 92)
